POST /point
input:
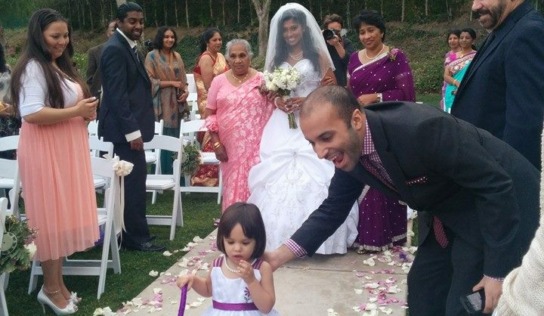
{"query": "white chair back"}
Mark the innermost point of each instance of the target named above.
(193, 95)
(188, 134)
(92, 128)
(9, 173)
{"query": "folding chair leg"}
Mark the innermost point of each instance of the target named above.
(154, 197)
(3, 303)
(220, 187)
(33, 282)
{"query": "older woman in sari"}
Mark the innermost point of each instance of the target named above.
(379, 73)
(209, 64)
(237, 112)
(455, 71)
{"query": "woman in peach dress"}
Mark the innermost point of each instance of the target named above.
(53, 152)
(210, 64)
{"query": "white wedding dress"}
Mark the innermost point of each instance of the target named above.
(290, 181)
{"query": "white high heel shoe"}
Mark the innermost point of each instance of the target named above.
(44, 300)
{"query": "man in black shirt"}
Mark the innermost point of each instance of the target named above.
(340, 48)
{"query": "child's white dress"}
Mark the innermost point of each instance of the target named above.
(230, 297)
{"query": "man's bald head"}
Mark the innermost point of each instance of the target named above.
(339, 97)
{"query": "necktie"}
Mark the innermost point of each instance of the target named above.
(439, 232)
(135, 50)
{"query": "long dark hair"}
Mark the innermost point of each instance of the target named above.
(308, 49)
(36, 49)
(158, 41)
(249, 217)
(205, 38)
(3, 66)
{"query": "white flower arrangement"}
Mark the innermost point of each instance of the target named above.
(283, 81)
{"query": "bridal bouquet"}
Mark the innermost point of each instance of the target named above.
(18, 246)
(283, 81)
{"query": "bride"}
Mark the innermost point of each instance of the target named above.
(290, 181)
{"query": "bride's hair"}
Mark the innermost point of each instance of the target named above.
(308, 47)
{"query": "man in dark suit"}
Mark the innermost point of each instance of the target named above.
(93, 64)
(477, 197)
(503, 91)
(126, 118)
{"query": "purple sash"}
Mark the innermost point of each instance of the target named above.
(234, 306)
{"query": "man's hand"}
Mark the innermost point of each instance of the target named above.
(137, 144)
(278, 257)
(492, 289)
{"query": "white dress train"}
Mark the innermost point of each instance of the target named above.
(290, 181)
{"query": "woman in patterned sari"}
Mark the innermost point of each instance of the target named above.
(379, 73)
(237, 112)
(169, 84)
(455, 71)
(210, 63)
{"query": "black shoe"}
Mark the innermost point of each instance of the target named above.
(146, 247)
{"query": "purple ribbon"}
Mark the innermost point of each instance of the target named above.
(182, 301)
(234, 306)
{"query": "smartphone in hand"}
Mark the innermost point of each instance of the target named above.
(474, 302)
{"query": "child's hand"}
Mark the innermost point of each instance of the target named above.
(246, 271)
(185, 279)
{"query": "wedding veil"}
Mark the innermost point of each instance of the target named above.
(314, 46)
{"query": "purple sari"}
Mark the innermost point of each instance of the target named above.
(382, 220)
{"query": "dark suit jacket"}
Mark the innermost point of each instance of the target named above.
(503, 90)
(93, 68)
(126, 100)
(481, 188)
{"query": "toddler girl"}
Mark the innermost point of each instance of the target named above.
(240, 282)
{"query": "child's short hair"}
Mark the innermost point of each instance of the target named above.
(249, 217)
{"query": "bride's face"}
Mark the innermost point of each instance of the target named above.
(292, 32)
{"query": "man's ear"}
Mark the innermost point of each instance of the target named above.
(357, 120)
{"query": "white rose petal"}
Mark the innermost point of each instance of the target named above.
(153, 273)
(369, 262)
(358, 291)
(167, 253)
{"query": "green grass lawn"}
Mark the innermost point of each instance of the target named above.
(199, 210)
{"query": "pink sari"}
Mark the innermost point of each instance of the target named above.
(240, 117)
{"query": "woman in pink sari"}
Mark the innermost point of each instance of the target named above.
(379, 73)
(237, 112)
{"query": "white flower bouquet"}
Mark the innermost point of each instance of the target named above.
(283, 81)
(18, 246)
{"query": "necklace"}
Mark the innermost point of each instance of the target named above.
(296, 57)
(238, 79)
(378, 54)
(235, 270)
(229, 268)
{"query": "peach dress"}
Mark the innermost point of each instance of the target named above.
(56, 175)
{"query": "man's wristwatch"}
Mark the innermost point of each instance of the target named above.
(380, 97)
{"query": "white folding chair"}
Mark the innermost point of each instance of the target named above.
(193, 96)
(112, 227)
(187, 133)
(162, 182)
(3, 276)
